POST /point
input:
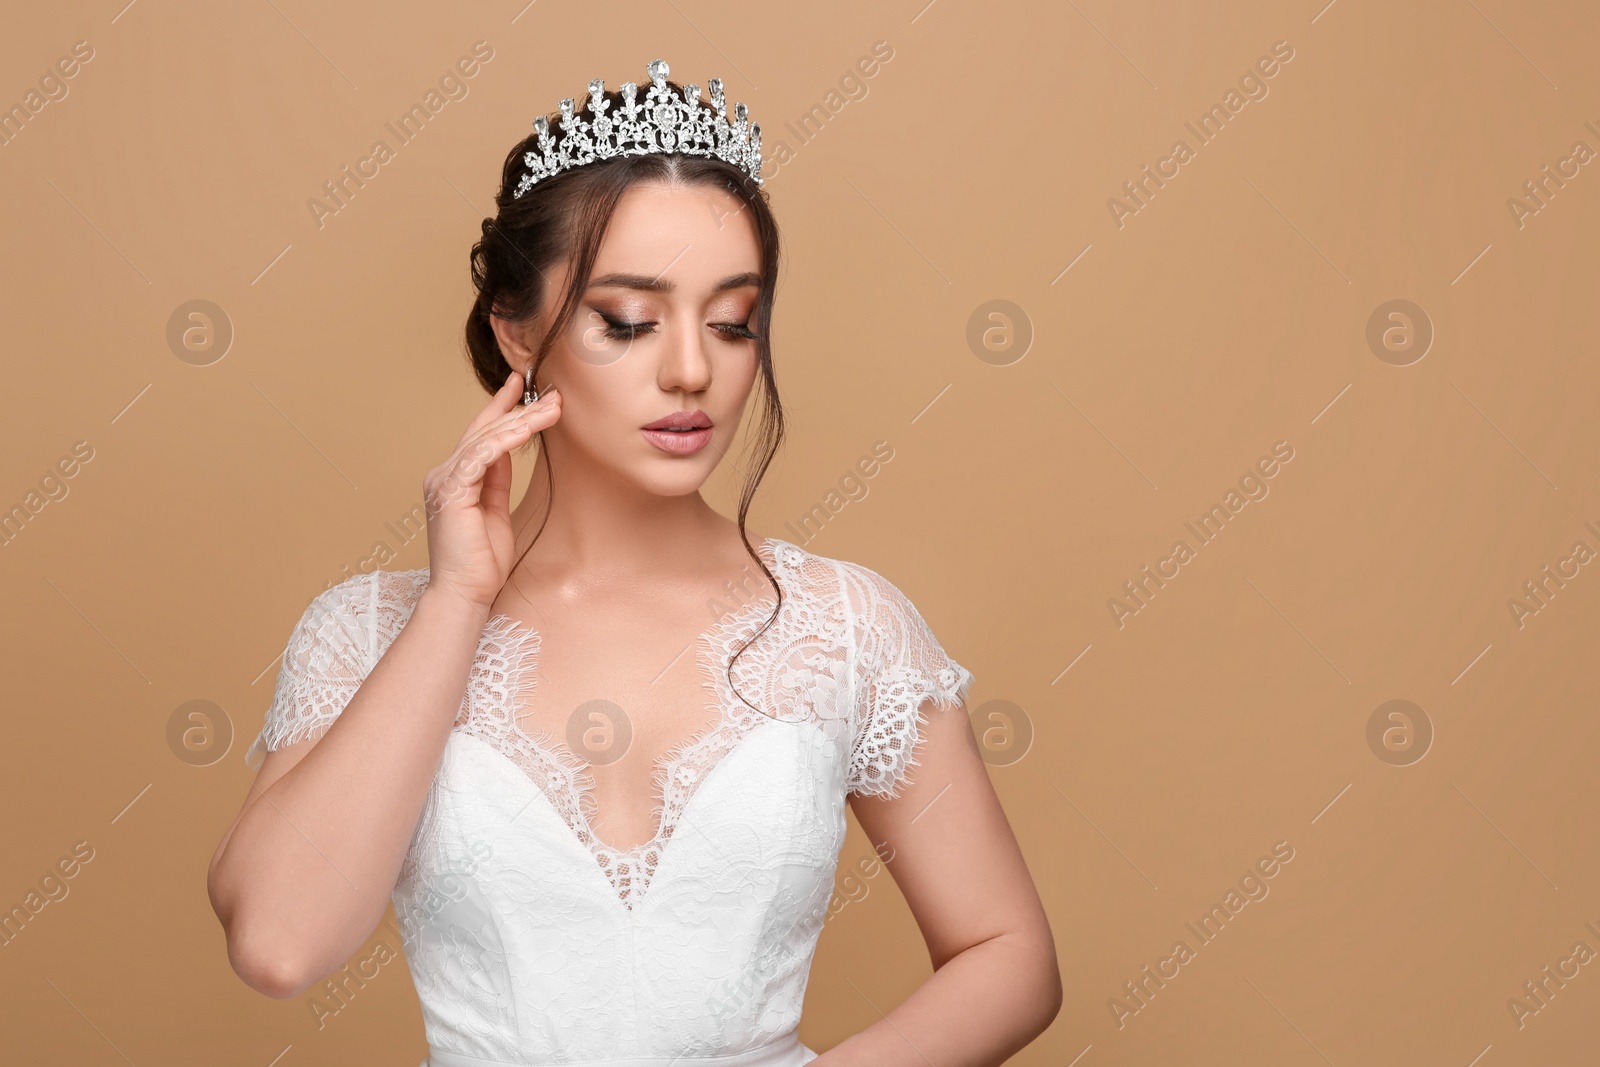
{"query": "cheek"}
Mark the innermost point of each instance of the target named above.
(734, 369)
(744, 372)
(604, 402)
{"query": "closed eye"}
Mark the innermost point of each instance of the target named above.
(619, 330)
(740, 330)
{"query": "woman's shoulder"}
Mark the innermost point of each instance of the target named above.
(401, 585)
(331, 649)
(870, 607)
(807, 573)
(371, 588)
(363, 607)
(864, 587)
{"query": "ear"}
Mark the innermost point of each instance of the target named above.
(515, 341)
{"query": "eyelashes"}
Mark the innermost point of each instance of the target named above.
(620, 330)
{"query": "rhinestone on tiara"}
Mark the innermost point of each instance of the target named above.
(663, 123)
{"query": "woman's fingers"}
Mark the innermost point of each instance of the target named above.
(499, 415)
(465, 470)
(468, 495)
(536, 413)
(503, 402)
(495, 496)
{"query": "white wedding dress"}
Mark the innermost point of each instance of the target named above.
(531, 942)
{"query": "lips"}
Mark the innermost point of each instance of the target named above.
(681, 421)
(682, 433)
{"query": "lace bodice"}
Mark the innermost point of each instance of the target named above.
(530, 940)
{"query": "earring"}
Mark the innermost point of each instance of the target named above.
(529, 393)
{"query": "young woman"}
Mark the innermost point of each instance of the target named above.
(598, 752)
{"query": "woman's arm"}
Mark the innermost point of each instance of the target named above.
(304, 874)
(996, 984)
(307, 869)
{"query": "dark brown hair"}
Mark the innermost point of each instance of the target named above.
(566, 217)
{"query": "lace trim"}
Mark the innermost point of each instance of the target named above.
(508, 661)
(679, 771)
(848, 647)
(903, 668)
(323, 664)
(885, 752)
(506, 667)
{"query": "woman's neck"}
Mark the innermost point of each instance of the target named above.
(595, 526)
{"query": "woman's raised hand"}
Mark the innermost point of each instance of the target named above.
(468, 496)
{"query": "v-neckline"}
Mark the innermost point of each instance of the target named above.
(728, 711)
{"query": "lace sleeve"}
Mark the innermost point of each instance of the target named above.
(328, 656)
(901, 668)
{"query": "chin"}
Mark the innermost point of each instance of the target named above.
(673, 478)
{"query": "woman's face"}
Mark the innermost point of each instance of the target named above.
(663, 331)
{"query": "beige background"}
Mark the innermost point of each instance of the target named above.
(1230, 312)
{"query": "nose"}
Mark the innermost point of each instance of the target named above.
(685, 359)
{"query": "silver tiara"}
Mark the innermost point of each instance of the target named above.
(663, 123)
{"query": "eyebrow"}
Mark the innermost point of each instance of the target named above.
(661, 285)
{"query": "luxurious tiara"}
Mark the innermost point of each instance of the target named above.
(663, 123)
